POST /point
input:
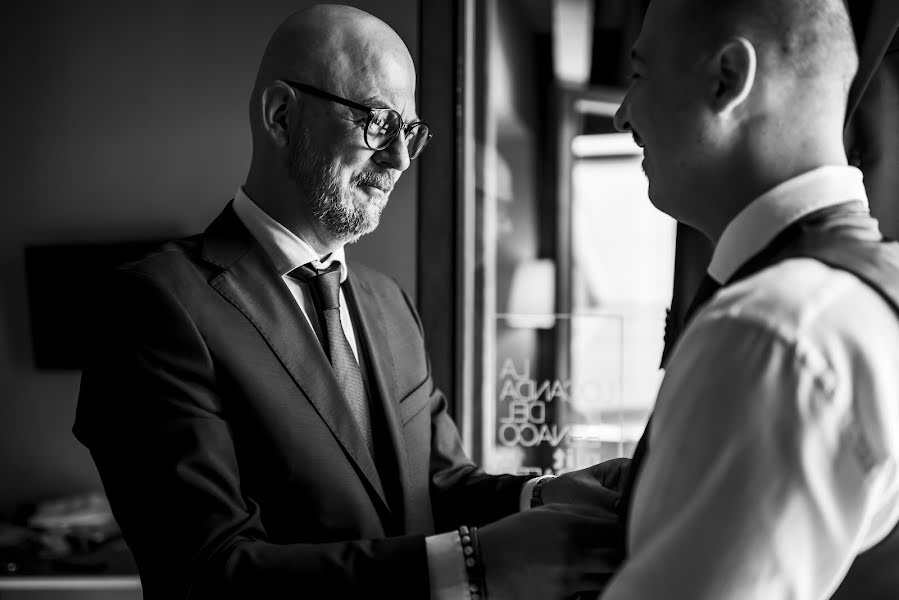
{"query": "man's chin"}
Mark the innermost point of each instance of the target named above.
(373, 218)
(654, 196)
(369, 195)
(664, 203)
(368, 225)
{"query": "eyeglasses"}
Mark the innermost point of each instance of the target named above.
(383, 124)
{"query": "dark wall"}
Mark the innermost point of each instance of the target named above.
(120, 121)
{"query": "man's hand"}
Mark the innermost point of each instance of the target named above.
(550, 552)
(599, 485)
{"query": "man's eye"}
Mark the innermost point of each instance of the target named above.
(634, 76)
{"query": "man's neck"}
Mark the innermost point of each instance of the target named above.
(291, 210)
(752, 177)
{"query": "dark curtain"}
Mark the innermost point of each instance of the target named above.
(872, 144)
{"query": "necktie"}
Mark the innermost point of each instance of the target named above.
(325, 288)
(707, 288)
(703, 294)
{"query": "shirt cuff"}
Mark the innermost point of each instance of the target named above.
(527, 491)
(446, 567)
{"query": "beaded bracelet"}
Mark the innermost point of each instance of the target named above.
(477, 587)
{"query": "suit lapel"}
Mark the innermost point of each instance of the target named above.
(250, 282)
(372, 329)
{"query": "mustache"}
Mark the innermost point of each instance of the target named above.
(381, 180)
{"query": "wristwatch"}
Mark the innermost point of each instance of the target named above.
(537, 491)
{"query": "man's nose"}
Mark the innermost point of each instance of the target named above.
(396, 155)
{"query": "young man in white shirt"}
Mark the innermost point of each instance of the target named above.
(772, 459)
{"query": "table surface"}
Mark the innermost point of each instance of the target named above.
(69, 582)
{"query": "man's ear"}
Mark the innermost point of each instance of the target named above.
(276, 100)
(733, 71)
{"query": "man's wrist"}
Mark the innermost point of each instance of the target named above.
(537, 490)
(474, 568)
(526, 495)
(446, 566)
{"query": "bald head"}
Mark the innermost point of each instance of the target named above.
(330, 45)
(314, 166)
(809, 40)
(732, 97)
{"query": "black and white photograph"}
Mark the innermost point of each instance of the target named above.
(449, 300)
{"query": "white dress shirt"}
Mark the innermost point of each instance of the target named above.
(287, 252)
(774, 446)
(446, 564)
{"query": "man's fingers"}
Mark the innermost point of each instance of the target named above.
(593, 573)
(604, 559)
(593, 529)
(607, 498)
(611, 473)
(579, 510)
(591, 513)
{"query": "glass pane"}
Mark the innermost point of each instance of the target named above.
(623, 265)
(556, 423)
(571, 266)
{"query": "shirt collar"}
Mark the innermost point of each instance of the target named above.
(284, 248)
(769, 214)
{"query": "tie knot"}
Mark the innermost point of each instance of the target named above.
(324, 284)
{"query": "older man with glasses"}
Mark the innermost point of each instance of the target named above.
(262, 414)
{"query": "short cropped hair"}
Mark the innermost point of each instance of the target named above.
(810, 38)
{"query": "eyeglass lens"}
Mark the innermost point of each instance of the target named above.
(384, 126)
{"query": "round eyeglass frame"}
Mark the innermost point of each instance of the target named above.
(372, 112)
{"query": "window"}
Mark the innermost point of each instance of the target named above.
(568, 266)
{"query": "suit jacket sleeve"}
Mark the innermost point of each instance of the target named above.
(158, 430)
(461, 492)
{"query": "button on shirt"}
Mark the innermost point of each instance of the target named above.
(773, 453)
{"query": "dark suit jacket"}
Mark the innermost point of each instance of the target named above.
(230, 459)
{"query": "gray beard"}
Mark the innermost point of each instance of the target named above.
(333, 206)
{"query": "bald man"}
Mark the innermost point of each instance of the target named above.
(771, 464)
(262, 413)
